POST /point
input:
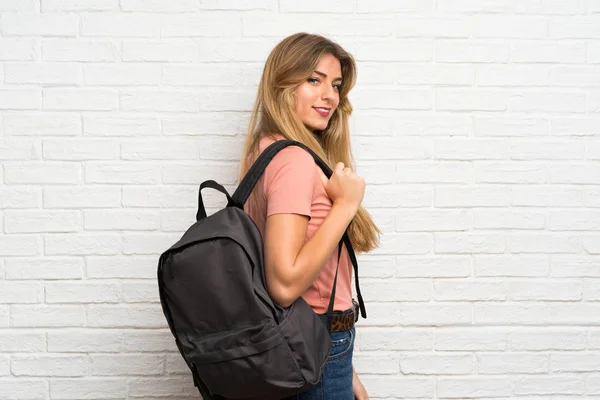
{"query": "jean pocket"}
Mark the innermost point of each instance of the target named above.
(340, 346)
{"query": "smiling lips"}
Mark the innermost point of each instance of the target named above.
(323, 111)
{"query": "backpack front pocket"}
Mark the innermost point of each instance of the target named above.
(250, 361)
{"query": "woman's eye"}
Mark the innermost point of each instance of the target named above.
(312, 80)
(339, 87)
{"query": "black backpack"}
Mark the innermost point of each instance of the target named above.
(237, 342)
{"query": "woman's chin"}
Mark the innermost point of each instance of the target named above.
(316, 127)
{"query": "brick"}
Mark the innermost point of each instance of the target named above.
(19, 245)
(511, 265)
(434, 364)
(44, 124)
(123, 365)
(512, 75)
(419, 314)
(547, 338)
(20, 99)
(21, 292)
(121, 74)
(391, 196)
(433, 220)
(25, 388)
(19, 5)
(508, 219)
(145, 244)
(471, 339)
(121, 220)
(546, 196)
(574, 266)
(47, 316)
(51, 365)
(82, 244)
(161, 386)
(48, 73)
(512, 363)
(42, 221)
(573, 174)
(457, 196)
(32, 172)
(160, 150)
(472, 243)
(149, 341)
(123, 173)
(20, 341)
(153, 6)
(557, 384)
(22, 268)
(140, 292)
(80, 99)
(396, 290)
(79, 50)
(118, 24)
(88, 196)
(85, 340)
(202, 75)
(17, 49)
(4, 316)
(473, 387)
(552, 102)
(510, 26)
(432, 267)
(122, 267)
(80, 150)
(344, 25)
(79, 5)
(80, 292)
(470, 51)
(413, 387)
(468, 290)
(163, 101)
(88, 388)
(544, 243)
(47, 24)
(20, 197)
(574, 362)
(574, 220)
(118, 316)
(510, 313)
(204, 24)
(375, 363)
(549, 52)
(121, 125)
(19, 149)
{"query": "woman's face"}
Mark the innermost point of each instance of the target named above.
(318, 96)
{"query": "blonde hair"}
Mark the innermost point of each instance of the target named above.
(289, 64)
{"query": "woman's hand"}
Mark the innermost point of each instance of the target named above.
(360, 393)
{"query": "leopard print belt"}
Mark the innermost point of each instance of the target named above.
(344, 320)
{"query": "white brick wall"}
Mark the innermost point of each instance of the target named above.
(477, 127)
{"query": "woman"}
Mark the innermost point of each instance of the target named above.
(301, 214)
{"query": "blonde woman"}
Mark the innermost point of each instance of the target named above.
(302, 215)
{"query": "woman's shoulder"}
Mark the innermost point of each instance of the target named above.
(293, 154)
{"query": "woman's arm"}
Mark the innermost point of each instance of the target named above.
(291, 265)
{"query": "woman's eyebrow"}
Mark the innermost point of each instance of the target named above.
(325, 75)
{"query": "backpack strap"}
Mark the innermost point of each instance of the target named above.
(213, 185)
(244, 189)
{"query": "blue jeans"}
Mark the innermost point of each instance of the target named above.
(336, 379)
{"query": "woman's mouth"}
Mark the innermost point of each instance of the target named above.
(323, 111)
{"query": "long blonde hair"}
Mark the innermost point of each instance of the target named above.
(290, 63)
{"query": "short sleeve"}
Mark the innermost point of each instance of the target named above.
(289, 182)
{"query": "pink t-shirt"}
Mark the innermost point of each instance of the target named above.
(293, 183)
